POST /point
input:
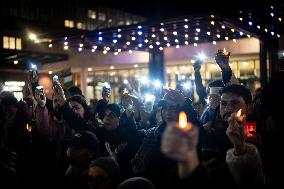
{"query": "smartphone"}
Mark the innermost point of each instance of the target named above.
(55, 78)
(41, 91)
(250, 127)
(39, 88)
(34, 76)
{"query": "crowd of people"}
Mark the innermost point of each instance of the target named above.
(233, 138)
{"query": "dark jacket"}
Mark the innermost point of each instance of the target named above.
(209, 175)
(207, 115)
(151, 163)
(215, 142)
(121, 143)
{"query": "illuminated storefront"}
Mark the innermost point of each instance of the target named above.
(90, 75)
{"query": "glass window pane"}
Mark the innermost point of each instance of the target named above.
(18, 43)
(92, 14)
(12, 43)
(71, 24)
(102, 16)
(66, 23)
(79, 25)
(5, 42)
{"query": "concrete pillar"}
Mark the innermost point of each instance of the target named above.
(156, 65)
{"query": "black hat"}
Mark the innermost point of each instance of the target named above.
(85, 139)
(115, 108)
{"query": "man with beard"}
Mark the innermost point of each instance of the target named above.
(233, 98)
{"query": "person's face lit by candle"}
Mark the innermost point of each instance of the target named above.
(231, 103)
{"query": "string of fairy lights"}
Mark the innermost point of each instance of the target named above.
(177, 33)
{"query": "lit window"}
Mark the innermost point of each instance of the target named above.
(66, 23)
(12, 43)
(18, 43)
(69, 23)
(81, 26)
(102, 16)
(92, 14)
(6, 42)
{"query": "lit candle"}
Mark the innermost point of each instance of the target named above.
(240, 117)
(182, 122)
(29, 128)
(226, 53)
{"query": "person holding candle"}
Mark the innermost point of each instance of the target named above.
(213, 90)
(149, 161)
(233, 98)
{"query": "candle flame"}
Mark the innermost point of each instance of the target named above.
(239, 115)
(29, 128)
(183, 124)
(226, 53)
(182, 120)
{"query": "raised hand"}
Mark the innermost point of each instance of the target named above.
(181, 146)
(197, 65)
(235, 133)
(40, 97)
(221, 59)
(58, 93)
(178, 144)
